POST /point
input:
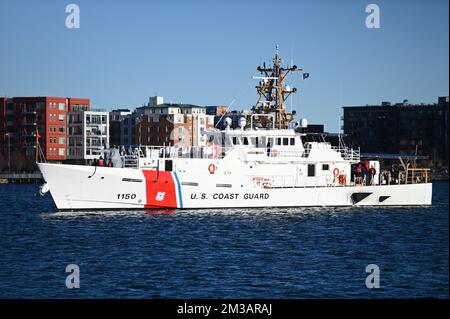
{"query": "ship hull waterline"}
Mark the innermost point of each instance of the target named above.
(78, 187)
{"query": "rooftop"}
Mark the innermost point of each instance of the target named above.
(179, 105)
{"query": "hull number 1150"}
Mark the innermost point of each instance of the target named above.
(126, 196)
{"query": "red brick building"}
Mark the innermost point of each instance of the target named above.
(28, 120)
(173, 124)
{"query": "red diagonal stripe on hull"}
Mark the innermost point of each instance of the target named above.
(160, 189)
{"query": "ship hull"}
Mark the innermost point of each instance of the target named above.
(86, 187)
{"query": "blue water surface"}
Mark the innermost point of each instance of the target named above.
(240, 253)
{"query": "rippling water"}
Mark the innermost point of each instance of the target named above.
(260, 253)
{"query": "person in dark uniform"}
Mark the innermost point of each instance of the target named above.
(268, 148)
(393, 171)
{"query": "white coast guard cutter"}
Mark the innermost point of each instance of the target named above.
(262, 163)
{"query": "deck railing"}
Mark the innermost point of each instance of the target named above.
(215, 151)
(348, 153)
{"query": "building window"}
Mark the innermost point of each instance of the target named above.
(62, 151)
(61, 140)
(61, 129)
(61, 117)
(62, 106)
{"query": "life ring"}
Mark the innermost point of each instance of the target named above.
(212, 168)
(274, 153)
(336, 172)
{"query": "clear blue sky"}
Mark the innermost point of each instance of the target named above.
(205, 52)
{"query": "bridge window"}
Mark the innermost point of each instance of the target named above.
(285, 141)
(245, 141)
(292, 140)
(278, 140)
(234, 141)
(325, 167)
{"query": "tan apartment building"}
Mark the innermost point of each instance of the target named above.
(172, 124)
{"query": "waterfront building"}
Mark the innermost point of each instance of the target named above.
(121, 127)
(27, 121)
(88, 135)
(169, 124)
(400, 128)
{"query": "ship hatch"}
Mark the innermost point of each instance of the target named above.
(168, 166)
(357, 197)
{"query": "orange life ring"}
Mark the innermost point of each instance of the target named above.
(212, 168)
(274, 153)
(336, 172)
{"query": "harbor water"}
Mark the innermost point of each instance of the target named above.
(240, 253)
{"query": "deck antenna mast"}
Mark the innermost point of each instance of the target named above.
(273, 93)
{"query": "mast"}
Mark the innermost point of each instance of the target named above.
(272, 92)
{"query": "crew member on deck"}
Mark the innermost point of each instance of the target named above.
(268, 148)
(394, 174)
(101, 161)
(359, 173)
(366, 173)
(372, 172)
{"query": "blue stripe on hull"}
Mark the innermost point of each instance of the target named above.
(179, 189)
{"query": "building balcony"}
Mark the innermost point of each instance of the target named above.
(28, 112)
(28, 124)
(29, 134)
(29, 146)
